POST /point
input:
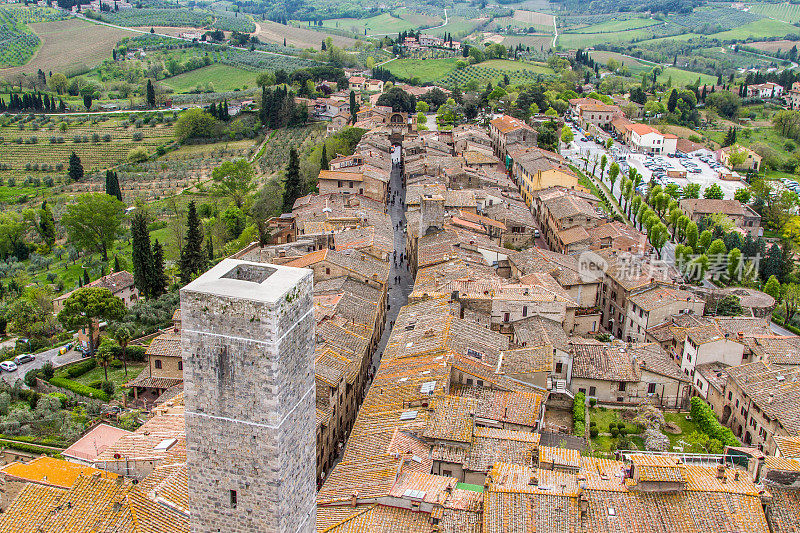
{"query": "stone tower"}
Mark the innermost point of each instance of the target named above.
(432, 213)
(248, 355)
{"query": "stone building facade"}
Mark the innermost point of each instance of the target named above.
(248, 350)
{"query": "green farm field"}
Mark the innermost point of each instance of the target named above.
(685, 77)
(535, 42)
(221, 77)
(636, 66)
(783, 11)
(583, 40)
(382, 24)
(424, 69)
(615, 25)
(757, 30)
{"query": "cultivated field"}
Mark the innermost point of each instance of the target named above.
(267, 30)
(615, 25)
(685, 77)
(774, 46)
(635, 65)
(70, 46)
(535, 42)
(424, 69)
(494, 70)
(52, 147)
(221, 77)
(533, 17)
(783, 11)
(756, 30)
(383, 24)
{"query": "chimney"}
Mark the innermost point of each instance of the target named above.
(721, 473)
(533, 481)
(354, 498)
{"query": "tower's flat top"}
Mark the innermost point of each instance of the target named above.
(246, 280)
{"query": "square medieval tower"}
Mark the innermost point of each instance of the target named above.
(248, 356)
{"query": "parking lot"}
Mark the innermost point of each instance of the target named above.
(700, 167)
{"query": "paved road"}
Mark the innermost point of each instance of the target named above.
(780, 330)
(42, 358)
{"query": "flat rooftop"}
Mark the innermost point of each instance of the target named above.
(247, 280)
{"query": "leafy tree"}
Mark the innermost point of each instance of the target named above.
(704, 241)
(112, 185)
(58, 83)
(673, 190)
(714, 192)
(791, 300)
(293, 184)
(31, 314)
(234, 179)
(734, 265)
(736, 157)
(567, 136)
(268, 203)
(692, 234)
(773, 287)
(94, 221)
(75, 169)
(692, 190)
(398, 99)
(613, 173)
(87, 101)
(193, 259)
(743, 195)
(196, 123)
(87, 304)
(716, 248)
(105, 354)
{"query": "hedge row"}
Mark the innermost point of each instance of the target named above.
(81, 368)
(30, 448)
(79, 388)
(579, 414)
(707, 422)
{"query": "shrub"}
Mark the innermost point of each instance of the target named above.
(108, 388)
(81, 368)
(30, 377)
(135, 353)
(579, 429)
(137, 136)
(592, 401)
(137, 155)
(47, 370)
(79, 388)
(707, 422)
(614, 432)
(594, 432)
(63, 398)
(116, 363)
(579, 414)
(592, 424)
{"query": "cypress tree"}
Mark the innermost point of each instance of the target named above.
(86, 279)
(117, 266)
(210, 248)
(323, 162)
(293, 186)
(141, 255)
(193, 259)
(673, 101)
(75, 169)
(353, 106)
(151, 94)
(47, 225)
(112, 185)
(159, 277)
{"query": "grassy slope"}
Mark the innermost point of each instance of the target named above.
(222, 77)
(758, 30)
(424, 69)
(682, 77)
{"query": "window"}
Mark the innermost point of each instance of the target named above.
(524, 310)
(592, 391)
(157, 363)
(180, 365)
(620, 399)
(506, 317)
(234, 499)
(729, 395)
(559, 367)
(327, 270)
(469, 382)
(651, 388)
(582, 390)
(447, 473)
(621, 385)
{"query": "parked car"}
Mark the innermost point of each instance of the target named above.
(536, 233)
(24, 358)
(64, 349)
(8, 366)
